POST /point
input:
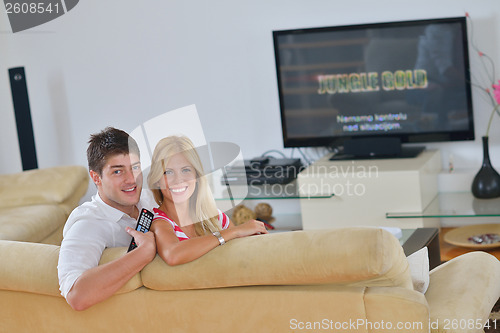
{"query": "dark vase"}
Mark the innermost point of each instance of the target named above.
(486, 183)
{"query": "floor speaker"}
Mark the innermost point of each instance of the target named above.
(23, 118)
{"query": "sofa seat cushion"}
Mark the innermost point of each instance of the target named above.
(53, 185)
(351, 256)
(30, 223)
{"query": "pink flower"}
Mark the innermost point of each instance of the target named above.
(496, 90)
(493, 95)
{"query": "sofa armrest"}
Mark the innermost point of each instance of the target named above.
(43, 186)
(462, 292)
(32, 267)
(350, 256)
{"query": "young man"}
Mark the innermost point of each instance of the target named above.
(106, 221)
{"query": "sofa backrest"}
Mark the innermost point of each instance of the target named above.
(32, 267)
(353, 257)
(350, 256)
(56, 185)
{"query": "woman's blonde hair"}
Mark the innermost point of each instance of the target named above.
(202, 206)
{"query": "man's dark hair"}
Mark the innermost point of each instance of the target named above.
(107, 143)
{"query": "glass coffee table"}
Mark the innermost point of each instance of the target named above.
(457, 209)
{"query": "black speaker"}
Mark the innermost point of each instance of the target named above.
(372, 147)
(23, 118)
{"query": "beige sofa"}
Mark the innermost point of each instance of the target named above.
(35, 204)
(344, 280)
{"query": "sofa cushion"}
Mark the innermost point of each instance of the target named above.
(462, 292)
(32, 267)
(351, 256)
(29, 267)
(30, 223)
(42, 186)
(419, 269)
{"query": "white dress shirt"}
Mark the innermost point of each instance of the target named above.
(90, 228)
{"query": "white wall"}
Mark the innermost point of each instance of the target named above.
(121, 63)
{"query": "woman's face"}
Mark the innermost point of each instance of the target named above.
(179, 179)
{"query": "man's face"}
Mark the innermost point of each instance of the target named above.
(120, 184)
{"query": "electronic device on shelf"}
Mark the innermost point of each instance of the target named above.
(382, 85)
(263, 170)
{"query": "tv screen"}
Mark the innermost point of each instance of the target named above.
(408, 80)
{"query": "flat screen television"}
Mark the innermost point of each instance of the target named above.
(378, 83)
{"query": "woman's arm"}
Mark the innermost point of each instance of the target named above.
(175, 252)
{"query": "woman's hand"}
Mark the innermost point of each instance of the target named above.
(249, 228)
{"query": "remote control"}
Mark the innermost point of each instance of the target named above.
(143, 224)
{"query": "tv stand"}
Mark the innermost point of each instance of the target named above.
(365, 190)
(406, 152)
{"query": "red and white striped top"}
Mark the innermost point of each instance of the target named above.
(158, 214)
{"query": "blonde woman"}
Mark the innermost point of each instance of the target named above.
(187, 223)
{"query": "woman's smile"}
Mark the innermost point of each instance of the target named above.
(178, 189)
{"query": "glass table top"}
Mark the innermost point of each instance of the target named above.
(456, 204)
